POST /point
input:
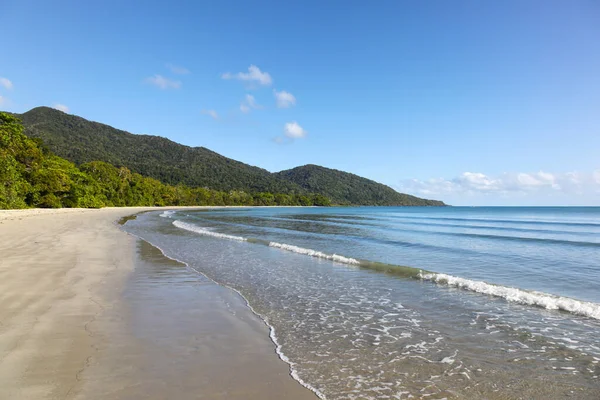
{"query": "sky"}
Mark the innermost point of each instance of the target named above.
(470, 102)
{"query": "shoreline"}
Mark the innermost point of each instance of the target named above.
(271, 330)
(65, 306)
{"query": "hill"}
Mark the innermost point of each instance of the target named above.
(346, 188)
(81, 141)
(32, 176)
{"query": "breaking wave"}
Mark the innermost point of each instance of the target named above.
(510, 294)
(515, 295)
(203, 231)
(314, 253)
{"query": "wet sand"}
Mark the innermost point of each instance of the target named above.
(87, 311)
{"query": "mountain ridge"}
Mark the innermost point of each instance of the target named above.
(346, 188)
(80, 141)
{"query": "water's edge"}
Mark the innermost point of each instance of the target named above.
(510, 294)
(272, 333)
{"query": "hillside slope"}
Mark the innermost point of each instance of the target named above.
(81, 141)
(346, 188)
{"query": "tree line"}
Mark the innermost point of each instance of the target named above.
(32, 176)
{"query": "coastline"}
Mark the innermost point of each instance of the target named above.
(70, 321)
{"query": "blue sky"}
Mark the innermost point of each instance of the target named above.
(471, 102)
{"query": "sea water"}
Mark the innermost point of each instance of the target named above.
(410, 302)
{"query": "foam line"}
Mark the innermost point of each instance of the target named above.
(314, 253)
(206, 232)
(515, 295)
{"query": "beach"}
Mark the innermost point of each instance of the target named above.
(508, 308)
(81, 316)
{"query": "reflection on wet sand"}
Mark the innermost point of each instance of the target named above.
(179, 335)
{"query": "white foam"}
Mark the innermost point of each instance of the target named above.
(167, 214)
(514, 295)
(315, 253)
(203, 231)
(288, 247)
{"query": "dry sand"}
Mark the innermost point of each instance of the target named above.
(87, 311)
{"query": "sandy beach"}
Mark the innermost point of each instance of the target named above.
(87, 311)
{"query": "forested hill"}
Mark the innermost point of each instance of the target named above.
(346, 188)
(81, 141)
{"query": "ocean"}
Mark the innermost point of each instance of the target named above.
(410, 302)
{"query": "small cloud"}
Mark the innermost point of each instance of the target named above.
(249, 103)
(212, 113)
(61, 107)
(6, 83)
(252, 101)
(2, 100)
(284, 99)
(294, 131)
(178, 69)
(254, 74)
(163, 83)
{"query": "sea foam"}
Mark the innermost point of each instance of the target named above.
(514, 295)
(314, 253)
(167, 214)
(206, 232)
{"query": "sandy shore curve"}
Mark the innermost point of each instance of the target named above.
(67, 330)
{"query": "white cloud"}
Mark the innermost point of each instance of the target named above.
(6, 83)
(597, 176)
(178, 69)
(294, 131)
(249, 103)
(212, 113)
(61, 107)
(2, 100)
(284, 99)
(254, 74)
(163, 83)
(540, 187)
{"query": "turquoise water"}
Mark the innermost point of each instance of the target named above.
(496, 302)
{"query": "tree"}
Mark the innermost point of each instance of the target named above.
(31, 176)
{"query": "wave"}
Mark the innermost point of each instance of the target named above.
(206, 232)
(515, 295)
(314, 253)
(167, 214)
(262, 223)
(510, 294)
(499, 221)
(282, 246)
(520, 239)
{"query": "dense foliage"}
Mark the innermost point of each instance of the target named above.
(345, 188)
(31, 176)
(82, 141)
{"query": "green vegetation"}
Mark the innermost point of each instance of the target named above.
(345, 189)
(81, 142)
(32, 176)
